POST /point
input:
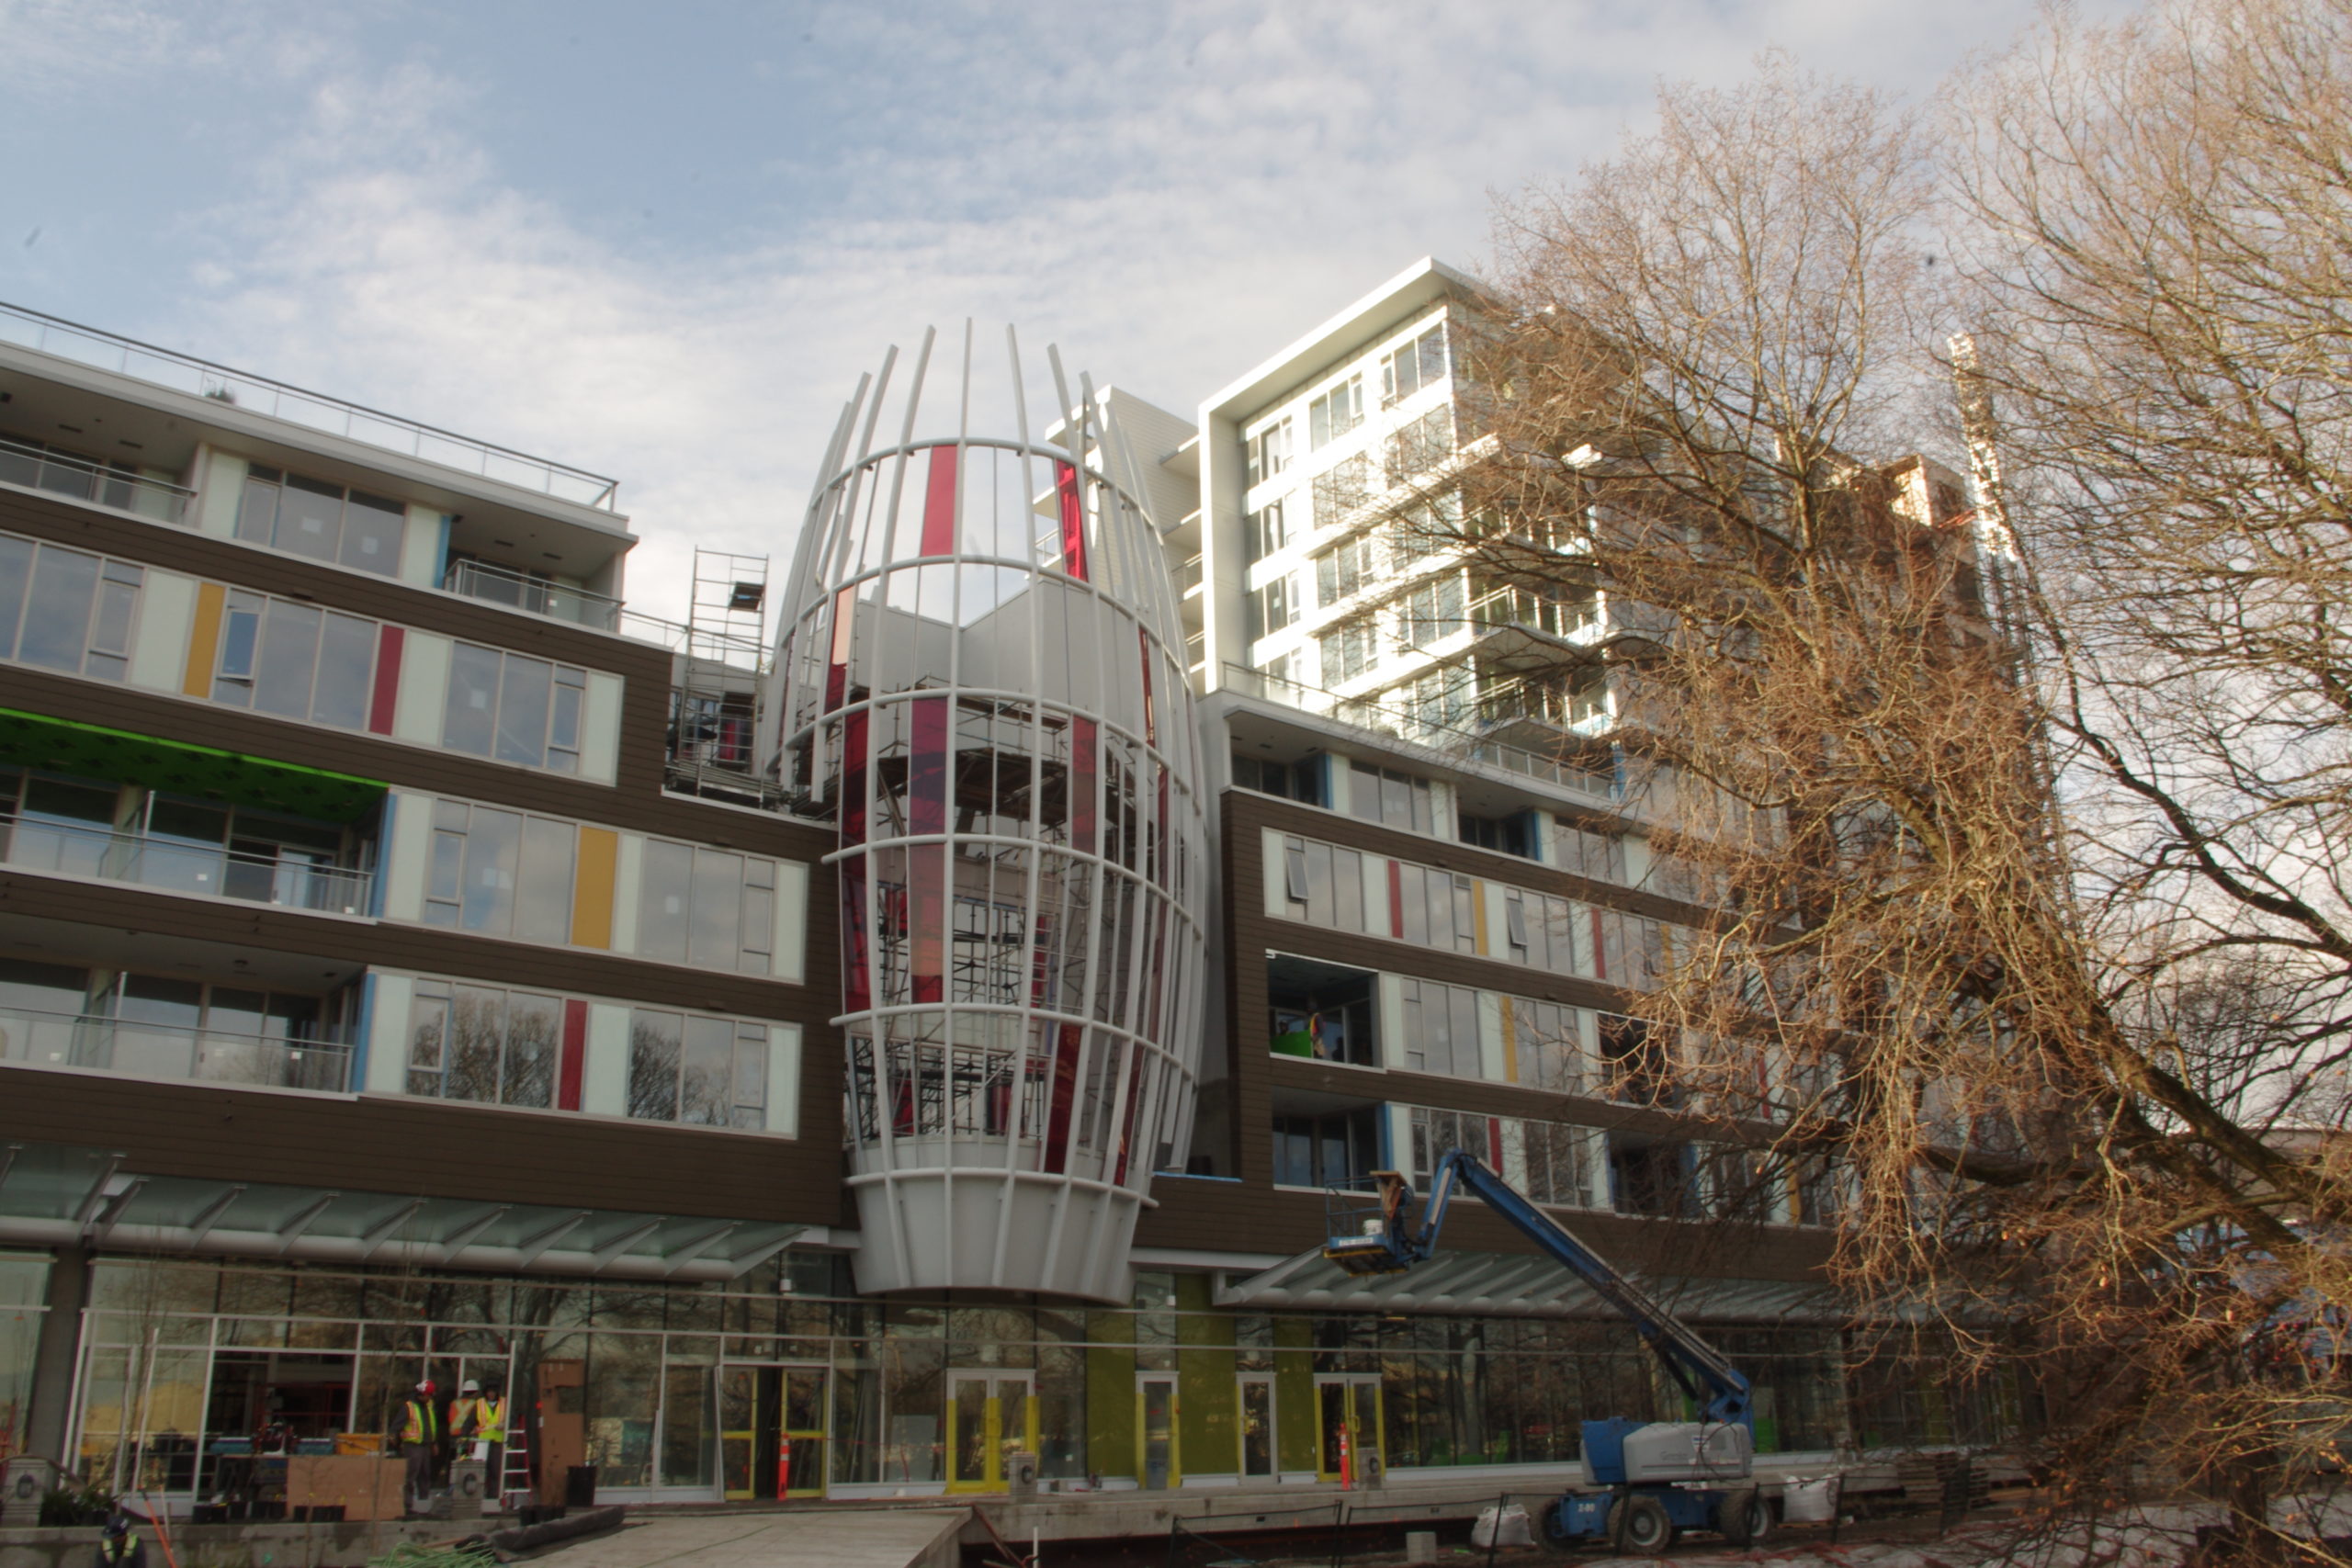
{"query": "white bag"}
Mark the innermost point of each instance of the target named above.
(1810, 1502)
(1511, 1521)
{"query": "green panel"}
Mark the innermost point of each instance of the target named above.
(57, 745)
(1295, 1415)
(1111, 1409)
(1208, 1411)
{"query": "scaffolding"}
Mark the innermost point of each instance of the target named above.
(720, 662)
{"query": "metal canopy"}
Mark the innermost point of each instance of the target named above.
(1490, 1284)
(55, 1194)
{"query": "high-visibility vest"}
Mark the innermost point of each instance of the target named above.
(461, 1412)
(120, 1550)
(490, 1420)
(421, 1423)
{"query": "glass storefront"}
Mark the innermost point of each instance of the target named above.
(782, 1383)
(24, 1286)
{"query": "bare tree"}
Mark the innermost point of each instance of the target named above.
(2044, 1122)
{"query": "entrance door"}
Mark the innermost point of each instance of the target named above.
(1159, 1466)
(771, 1431)
(990, 1414)
(1259, 1453)
(1349, 1404)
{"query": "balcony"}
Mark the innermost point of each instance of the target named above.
(533, 595)
(172, 1053)
(287, 879)
(1441, 743)
(312, 411)
(1188, 575)
(59, 473)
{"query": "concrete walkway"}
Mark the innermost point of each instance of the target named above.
(838, 1537)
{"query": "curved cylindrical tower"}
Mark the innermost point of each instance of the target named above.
(980, 678)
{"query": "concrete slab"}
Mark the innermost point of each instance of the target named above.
(837, 1536)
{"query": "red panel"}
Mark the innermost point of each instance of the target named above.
(852, 801)
(1061, 1097)
(1395, 900)
(1085, 772)
(386, 695)
(1138, 1062)
(857, 991)
(928, 769)
(1150, 719)
(1073, 521)
(1495, 1143)
(939, 505)
(575, 1055)
(1600, 949)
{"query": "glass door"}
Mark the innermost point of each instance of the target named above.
(771, 1431)
(1259, 1453)
(1159, 1466)
(990, 1414)
(1348, 1417)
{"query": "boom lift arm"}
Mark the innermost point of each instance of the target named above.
(1391, 1245)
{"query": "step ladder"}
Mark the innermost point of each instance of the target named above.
(515, 1466)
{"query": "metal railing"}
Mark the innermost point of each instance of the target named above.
(519, 591)
(170, 1052)
(312, 411)
(177, 865)
(58, 473)
(1446, 745)
(1188, 574)
(699, 643)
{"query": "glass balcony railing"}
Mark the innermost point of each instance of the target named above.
(172, 1052)
(518, 590)
(36, 467)
(289, 879)
(312, 411)
(1447, 745)
(1188, 574)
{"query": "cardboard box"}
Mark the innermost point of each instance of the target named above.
(366, 1487)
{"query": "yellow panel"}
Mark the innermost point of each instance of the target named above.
(204, 640)
(1510, 1042)
(1479, 915)
(591, 889)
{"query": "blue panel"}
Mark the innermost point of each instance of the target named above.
(364, 1030)
(1604, 1449)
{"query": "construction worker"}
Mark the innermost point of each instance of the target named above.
(420, 1434)
(120, 1547)
(461, 1418)
(486, 1430)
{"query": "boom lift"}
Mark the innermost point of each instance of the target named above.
(1656, 1478)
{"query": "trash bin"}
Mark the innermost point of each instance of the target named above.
(580, 1486)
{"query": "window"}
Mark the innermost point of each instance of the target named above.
(1433, 611)
(1350, 652)
(1421, 363)
(1348, 569)
(1426, 528)
(1434, 909)
(1632, 951)
(500, 873)
(1269, 451)
(1336, 412)
(484, 1043)
(513, 708)
(277, 656)
(1545, 932)
(1323, 885)
(1268, 531)
(1340, 1150)
(325, 522)
(1277, 605)
(1320, 1011)
(712, 908)
(1559, 1163)
(1548, 1042)
(1636, 1058)
(1302, 780)
(1587, 851)
(1437, 1133)
(1439, 1030)
(705, 1072)
(1418, 445)
(1339, 490)
(1442, 699)
(66, 610)
(1505, 835)
(1391, 798)
(1654, 1177)
(157, 1027)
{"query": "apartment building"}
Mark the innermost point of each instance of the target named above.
(935, 1039)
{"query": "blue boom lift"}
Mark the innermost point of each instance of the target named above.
(1652, 1479)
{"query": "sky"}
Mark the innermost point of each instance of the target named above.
(661, 242)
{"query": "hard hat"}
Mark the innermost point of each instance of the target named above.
(118, 1525)
(424, 1386)
(469, 1386)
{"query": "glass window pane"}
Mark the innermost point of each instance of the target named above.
(16, 566)
(543, 896)
(372, 527)
(563, 733)
(346, 665)
(707, 1074)
(466, 723)
(491, 848)
(310, 517)
(715, 941)
(290, 655)
(257, 509)
(661, 906)
(534, 1038)
(522, 698)
(655, 1041)
(477, 1039)
(57, 619)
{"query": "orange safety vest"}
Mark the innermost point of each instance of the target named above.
(421, 1423)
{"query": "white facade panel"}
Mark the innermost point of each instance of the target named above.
(425, 688)
(159, 651)
(389, 1011)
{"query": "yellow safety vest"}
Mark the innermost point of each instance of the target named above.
(421, 1425)
(490, 1420)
